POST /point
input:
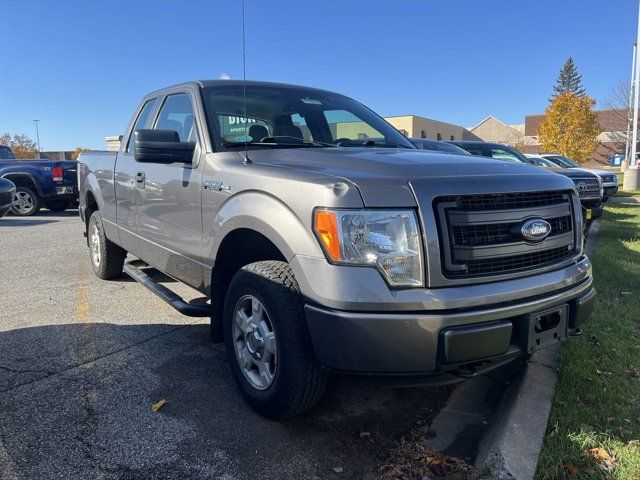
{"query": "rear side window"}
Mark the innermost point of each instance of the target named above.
(6, 153)
(177, 114)
(142, 121)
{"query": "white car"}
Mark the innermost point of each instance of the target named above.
(609, 179)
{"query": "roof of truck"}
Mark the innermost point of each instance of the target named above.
(236, 84)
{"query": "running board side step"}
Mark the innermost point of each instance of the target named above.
(167, 295)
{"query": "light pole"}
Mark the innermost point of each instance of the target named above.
(630, 181)
(37, 135)
(627, 148)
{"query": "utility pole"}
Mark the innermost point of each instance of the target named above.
(37, 135)
(630, 181)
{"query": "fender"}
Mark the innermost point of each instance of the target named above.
(91, 186)
(264, 214)
(28, 175)
(107, 209)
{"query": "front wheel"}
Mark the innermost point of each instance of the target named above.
(267, 341)
(26, 202)
(107, 258)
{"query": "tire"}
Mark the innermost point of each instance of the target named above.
(26, 202)
(298, 381)
(106, 257)
(58, 205)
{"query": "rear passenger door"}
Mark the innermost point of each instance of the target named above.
(170, 229)
(127, 197)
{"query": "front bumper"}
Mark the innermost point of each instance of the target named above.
(609, 191)
(438, 343)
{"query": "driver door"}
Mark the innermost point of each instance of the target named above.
(170, 228)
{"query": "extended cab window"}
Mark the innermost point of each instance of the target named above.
(142, 121)
(177, 114)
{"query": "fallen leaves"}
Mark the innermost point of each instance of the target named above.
(602, 457)
(158, 405)
(416, 461)
(571, 469)
(632, 372)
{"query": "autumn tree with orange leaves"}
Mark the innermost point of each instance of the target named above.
(570, 127)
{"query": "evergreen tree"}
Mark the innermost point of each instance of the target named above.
(569, 81)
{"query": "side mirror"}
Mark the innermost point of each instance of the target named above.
(161, 146)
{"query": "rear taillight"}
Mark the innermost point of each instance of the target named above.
(57, 173)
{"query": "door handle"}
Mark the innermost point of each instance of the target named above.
(140, 179)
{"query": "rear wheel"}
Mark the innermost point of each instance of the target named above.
(267, 341)
(26, 202)
(107, 258)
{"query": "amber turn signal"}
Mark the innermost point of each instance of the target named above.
(326, 226)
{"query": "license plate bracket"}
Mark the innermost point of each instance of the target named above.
(546, 328)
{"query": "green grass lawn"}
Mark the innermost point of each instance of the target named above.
(594, 425)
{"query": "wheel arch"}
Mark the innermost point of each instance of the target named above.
(24, 179)
(238, 248)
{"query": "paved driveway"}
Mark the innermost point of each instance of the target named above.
(82, 360)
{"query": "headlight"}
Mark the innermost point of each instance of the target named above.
(386, 239)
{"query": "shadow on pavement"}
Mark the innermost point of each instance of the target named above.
(76, 403)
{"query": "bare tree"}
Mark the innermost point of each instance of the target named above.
(618, 104)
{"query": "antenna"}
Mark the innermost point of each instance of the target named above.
(244, 92)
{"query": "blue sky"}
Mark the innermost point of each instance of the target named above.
(82, 66)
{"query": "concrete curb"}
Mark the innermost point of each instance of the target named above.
(511, 447)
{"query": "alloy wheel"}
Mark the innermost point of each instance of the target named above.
(254, 341)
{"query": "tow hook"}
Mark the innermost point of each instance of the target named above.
(576, 333)
(465, 372)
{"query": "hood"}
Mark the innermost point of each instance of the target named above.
(374, 170)
(573, 172)
(598, 172)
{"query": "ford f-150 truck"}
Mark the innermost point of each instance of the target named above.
(39, 183)
(328, 243)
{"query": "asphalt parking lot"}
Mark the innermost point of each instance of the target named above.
(82, 360)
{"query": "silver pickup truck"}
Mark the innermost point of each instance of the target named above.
(328, 243)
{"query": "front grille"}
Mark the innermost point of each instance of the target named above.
(481, 234)
(507, 200)
(517, 262)
(588, 188)
(499, 233)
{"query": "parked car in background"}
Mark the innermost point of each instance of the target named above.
(7, 192)
(323, 251)
(40, 183)
(609, 179)
(588, 185)
(437, 146)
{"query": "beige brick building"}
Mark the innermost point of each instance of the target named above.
(420, 127)
(494, 130)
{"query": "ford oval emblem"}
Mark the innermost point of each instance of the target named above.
(535, 230)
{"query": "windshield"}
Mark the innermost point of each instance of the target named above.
(6, 153)
(562, 161)
(545, 163)
(288, 117)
